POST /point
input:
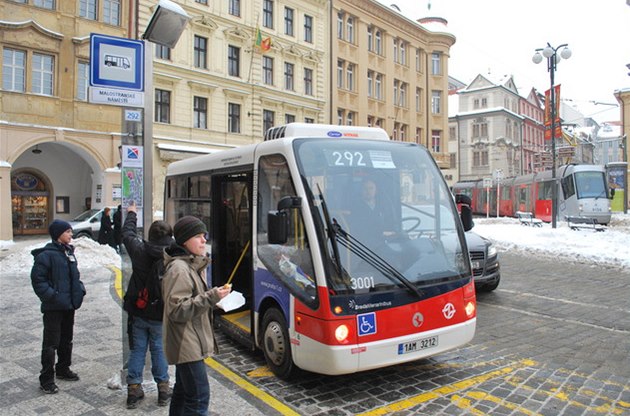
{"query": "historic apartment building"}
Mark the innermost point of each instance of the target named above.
(58, 153)
(238, 68)
(391, 72)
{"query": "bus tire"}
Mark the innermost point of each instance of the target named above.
(276, 344)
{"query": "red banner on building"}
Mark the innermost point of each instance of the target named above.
(556, 99)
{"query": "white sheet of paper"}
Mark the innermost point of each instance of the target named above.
(232, 301)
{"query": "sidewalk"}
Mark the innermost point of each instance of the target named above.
(97, 354)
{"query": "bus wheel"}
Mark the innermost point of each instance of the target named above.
(276, 345)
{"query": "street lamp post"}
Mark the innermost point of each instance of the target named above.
(553, 58)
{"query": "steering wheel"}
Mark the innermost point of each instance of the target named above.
(416, 223)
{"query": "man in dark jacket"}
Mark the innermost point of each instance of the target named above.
(143, 302)
(56, 280)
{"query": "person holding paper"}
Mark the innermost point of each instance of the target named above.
(188, 302)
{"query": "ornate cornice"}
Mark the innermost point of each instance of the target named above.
(30, 24)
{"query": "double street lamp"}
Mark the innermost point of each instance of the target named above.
(553, 58)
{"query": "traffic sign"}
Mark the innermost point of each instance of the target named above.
(116, 63)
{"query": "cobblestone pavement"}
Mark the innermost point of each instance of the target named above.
(553, 339)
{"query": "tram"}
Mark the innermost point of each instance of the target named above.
(582, 192)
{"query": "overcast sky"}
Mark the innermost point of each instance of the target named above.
(501, 36)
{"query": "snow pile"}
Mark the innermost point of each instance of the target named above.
(88, 252)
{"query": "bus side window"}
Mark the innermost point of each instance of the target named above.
(291, 262)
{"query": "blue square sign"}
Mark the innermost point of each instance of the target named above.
(116, 63)
(366, 323)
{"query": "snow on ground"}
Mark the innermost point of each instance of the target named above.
(608, 248)
(89, 254)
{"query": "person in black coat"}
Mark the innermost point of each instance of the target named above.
(106, 233)
(117, 228)
(143, 302)
(56, 281)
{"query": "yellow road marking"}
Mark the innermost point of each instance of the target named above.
(253, 390)
(480, 396)
(263, 371)
(446, 390)
(230, 375)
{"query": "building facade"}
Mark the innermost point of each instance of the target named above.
(58, 153)
(391, 72)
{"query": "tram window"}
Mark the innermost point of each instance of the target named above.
(568, 187)
(290, 262)
(545, 190)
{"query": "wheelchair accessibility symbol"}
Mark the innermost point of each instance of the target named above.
(366, 323)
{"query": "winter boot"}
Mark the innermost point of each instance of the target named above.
(134, 395)
(164, 393)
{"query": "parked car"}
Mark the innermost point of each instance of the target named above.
(485, 262)
(88, 223)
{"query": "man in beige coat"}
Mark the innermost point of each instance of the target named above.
(187, 334)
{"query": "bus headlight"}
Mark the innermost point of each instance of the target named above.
(341, 333)
(470, 309)
(492, 251)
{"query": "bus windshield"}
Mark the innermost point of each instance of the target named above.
(385, 213)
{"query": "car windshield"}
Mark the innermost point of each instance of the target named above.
(86, 215)
(385, 212)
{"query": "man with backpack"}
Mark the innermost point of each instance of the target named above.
(144, 305)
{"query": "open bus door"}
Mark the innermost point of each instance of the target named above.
(231, 247)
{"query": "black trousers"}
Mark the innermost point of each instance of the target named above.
(58, 330)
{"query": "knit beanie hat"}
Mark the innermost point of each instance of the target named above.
(188, 227)
(58, 227)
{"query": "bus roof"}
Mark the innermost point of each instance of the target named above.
(325, 130)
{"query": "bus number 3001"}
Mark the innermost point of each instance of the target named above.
(366, 282)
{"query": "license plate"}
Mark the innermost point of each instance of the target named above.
(476, 264)
(420, 344)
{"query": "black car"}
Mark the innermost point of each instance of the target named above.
(485, 262)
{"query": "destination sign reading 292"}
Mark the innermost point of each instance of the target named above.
(354, 158)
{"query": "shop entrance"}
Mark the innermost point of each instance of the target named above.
(30, 203)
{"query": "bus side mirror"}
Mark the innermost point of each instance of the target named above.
(465, 211)
(612, 193)
(278, 221)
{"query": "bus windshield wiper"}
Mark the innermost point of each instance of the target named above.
(369, 256)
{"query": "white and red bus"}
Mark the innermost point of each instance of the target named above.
(323, 292)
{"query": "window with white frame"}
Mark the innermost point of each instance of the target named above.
(370, 83)
(308, 28)
(42, 74)
(350, 118)
(370, 38)
(350, 29)
(289, 118)
(480, 158)
(234, 118)
(201, 52)
(395, 50)
(395, 90)
(162, 52)
(162, 106)
(436, 102)
(436, 63)
(200, 110)
(288, 76)
(418, 99)
(436, 141)
(340, 22)
(44, 4)
(350, 77)
(378, 42)
(234, 61)
(267, 71)
(83, 80)
(378, 87)
(268, 119)
(340, 66)
(267, 18)
(418, 64)
(403, 53)
(87, 9)
(13, 70)
(288, 21)
(480, 129)
(234, 7)
(403, 95)
(111, 12)
(308, 81)
(309, 120)
(340, 116)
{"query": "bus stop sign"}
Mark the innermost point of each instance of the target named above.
(116, 63)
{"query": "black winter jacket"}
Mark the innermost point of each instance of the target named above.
(55, 278)
(144, 255)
